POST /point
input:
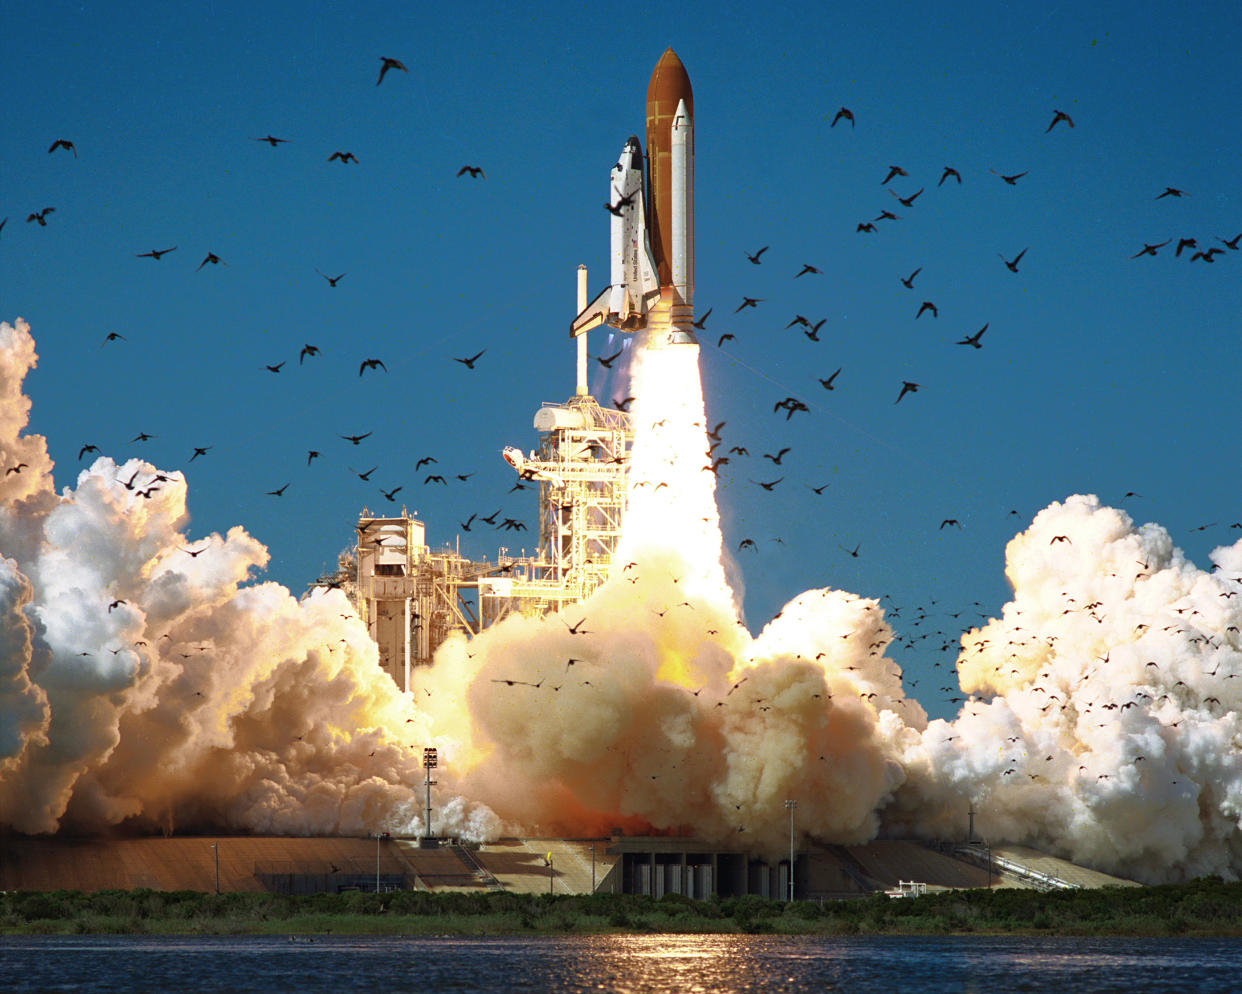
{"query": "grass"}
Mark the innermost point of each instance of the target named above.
(1207, 907)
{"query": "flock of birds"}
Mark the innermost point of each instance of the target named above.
(720, 454)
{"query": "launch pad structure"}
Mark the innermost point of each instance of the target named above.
(412, 597)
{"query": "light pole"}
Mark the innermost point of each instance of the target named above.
(377, 842)
(592, 868)
(215, 846)
(789, 806)
(430, 761)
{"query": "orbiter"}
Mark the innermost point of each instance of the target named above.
(652, 229)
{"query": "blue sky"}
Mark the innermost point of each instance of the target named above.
(1099, 373)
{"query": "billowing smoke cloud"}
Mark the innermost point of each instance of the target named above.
(1105, 720)
(145, 681)
(146, 686)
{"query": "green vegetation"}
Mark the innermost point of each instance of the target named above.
(1201, 907)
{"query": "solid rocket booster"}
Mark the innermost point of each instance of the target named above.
(652, 236)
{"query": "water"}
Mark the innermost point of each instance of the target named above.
(676, 964)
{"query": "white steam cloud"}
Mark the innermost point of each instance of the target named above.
(144, 686)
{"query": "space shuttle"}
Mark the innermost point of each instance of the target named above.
(651, 223)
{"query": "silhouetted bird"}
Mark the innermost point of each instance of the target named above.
(270, 140)
(973, 340)
(776, 459)
(389, 64)
(767, 486)
(390, 494)
(356, 438)
(1151, 249)
(908, 201)
(278, 492)
(85, 449)
(332, 280)
(607, 361)
(343, 157)
(755, 258)
(950, 171)
(749, 302)
(806, 268)
(200, 451)
(63, 143)
(155, 253)
(476, 172)
(1171, 192)
(726, 337)
(867, 227)
(908, 281)
(310, 350)
(703, 320)
(906, 387)
(827, 384)
(40, 216)
(947, 522)
(212, 258)
(1057, 116)
(1012, 180)
(275, 368)
(469, 363)
(623, 404)
(371, 364)
(114, 336)
(1013, 265)
(846, 113)
(893, 171)
(927, 305)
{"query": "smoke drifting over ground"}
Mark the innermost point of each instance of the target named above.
(148, 681)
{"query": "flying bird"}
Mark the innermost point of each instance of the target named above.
(607, 362)
(270, 140)
(155, 253)
(332, 280)
(113, 336)
(906, 387)
(85, 449)
(755, 258)
(389, 64)
(371, 364)
(1012, 180)
(469, 363)
(748, 302)
(907, 201)
(747, 543)
(893, 171)
(363, 476)
(142, 436)
(278, 492)
(307, 350)
(927, 305)
(200, 451)
(973, 340)
(63, 143)
(846, 113)
(275, 368)
(1057, 117)
(476, 172)
(40, 216)
(356, 439)
(343, 157)
(390, 494)
(767, 486)
(867, 227)
(776, 459)
(1151, 249)
(212, 258)
(950, 522)
(1013, 265)
(950, 171)
(1170, 191)
(827, 384)
(703, 320)
(908, 281)
(726, 337)
(434, 478)
(807, 268)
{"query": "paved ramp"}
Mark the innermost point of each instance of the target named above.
(890, 862)
(1061, 869)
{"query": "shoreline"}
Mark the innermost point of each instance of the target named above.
(1206, 908)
